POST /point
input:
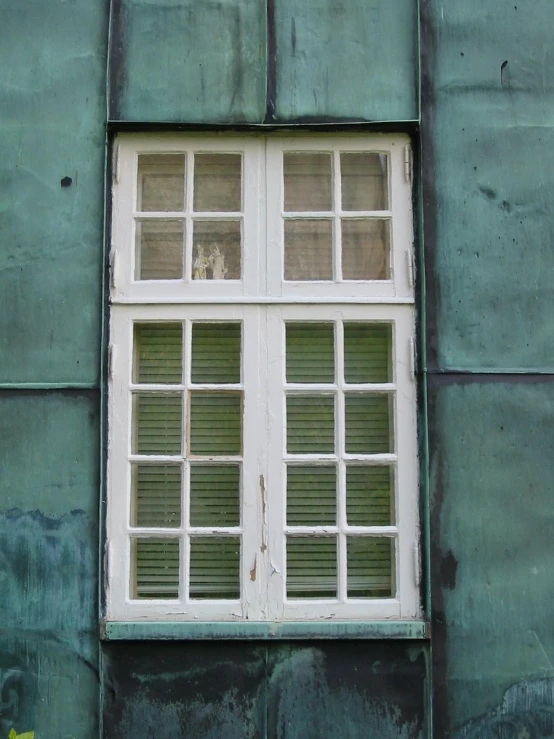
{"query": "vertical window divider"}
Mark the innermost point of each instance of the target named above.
(337, 207)
(189, 224)
(185, 538)
(340, 441)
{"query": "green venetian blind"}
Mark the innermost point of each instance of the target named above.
(368, 423)
(214, 495)
(158, 355)
(314, 490)
(310, 352)
(367, 352)
(156, 565)
(157, 422)
(215, 353)
(215, 567)
(311, 567)
(311, 495)
(369, 495)
(156, 495)
(370, 563)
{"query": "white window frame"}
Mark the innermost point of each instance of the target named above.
(262, 301)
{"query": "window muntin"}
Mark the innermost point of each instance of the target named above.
(216, 521)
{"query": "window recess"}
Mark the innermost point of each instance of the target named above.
(262, 423)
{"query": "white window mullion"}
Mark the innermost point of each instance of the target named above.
(341, 469)
(337, 200)
(276, 493)
(253, 565)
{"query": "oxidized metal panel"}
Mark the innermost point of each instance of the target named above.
(492, 472)
(52, 99)
(489, 163)
(49, 554)
(251, 690)
(188, 61)
(345, 60)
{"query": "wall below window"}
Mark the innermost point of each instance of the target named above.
(243, 690)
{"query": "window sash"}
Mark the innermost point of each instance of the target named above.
(263, 525)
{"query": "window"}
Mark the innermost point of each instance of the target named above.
(262, 460)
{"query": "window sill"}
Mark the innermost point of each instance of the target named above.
(271, 631)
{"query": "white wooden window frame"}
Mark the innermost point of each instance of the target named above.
(262, 302)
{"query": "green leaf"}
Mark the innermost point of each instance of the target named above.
(12, 734)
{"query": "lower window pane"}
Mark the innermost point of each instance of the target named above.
(157, 423)
(311, 495)
(369, 495)
(156, 568)
(311, 567)
(156, 495)
(310, 424)
(215, 567)
(368, 423)
(215, 495)
(371, 566)
(215, 423)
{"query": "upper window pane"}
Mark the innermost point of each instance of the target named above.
(364, 181)
(217, 182)
(161, 182)
(308, 181)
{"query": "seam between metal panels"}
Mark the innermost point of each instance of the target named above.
(425, 490)
(271, 62)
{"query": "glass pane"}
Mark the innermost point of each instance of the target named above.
(156, 568)
(364, 181)
(215, 495)
(158, 356)
(215, 567)
(156, 491)
(215, 352)
(369, 496)
(368, 424)
(157, 423)
(311, 495)
(216, 251)
(217, 182)
(365, 249)
(308, 249)
(310, 352)
(310, 424)
(367, 352)
(308, 181)
(161, 182)
(370, 563)
(215, 423)
(159, 250)
(311, 567)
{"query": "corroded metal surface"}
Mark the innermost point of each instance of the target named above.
(48, 564)
(243, 690)
(52, 111)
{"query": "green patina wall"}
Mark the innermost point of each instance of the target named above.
(488, 128)
(487, 175)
